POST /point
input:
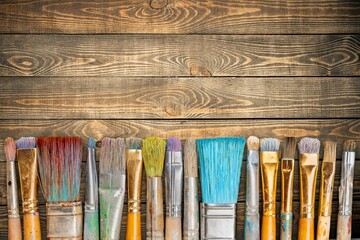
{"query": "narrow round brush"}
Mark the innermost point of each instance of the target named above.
(191, 200)
(14, 225)
(153, 149)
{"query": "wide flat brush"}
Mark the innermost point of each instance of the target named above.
(14, 224)
(173, 186)
(269, 160)
(287, 183)
(153, 149)
(60, 174)
(134, 163)
(191, 200)
(220, 168)
(28, 172)
(112, 185)
(346, 191)
(308, 160)
(91, 218)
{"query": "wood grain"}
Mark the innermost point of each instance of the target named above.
(205, 98)
(172, 55)
(177, 16)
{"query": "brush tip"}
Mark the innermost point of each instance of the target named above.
(153, 151)
(290, 148)
(309, 145)
(173, 144)
(253, 143)
(26, 143)
(349, 146)
(10, 149)
(133, 143)
(329, 151)
(91, 143)
(269, 144)
(190, 158)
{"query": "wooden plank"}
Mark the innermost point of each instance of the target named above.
(175, 16)
(172, 55)
(144, 98)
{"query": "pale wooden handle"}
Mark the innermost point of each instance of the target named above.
(155, 210)
(306, 229)
(344, 227)
(14, 229)
(268, 228)
(32, 229)
(252, 227)
(173, 228)
(323, 228)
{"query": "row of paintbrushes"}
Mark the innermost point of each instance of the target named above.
(57, 162)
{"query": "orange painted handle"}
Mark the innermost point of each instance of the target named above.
(268, 228)
(306, 229)
(133, 228)
(14, 229)
(173, 228)
(32, 229)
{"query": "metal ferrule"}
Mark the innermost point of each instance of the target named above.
(346, 183)
(252, 183)
(287, 180)
(91, 193)
(326, 188)
(28, 169)
(191, 209)
(308, 173)
(12, 192)
(218, 221)
(134, 174)
(173, 183)
(64, 220)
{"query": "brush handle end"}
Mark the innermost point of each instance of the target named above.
(268, 227)
(14, 229)
(32, 226)
(306, 228)
(173, 228)
(344, 227)
(133, 228)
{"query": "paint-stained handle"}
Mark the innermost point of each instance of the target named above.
(14, 228)
(268, 227)
(32, 229)
(344, 227)
(306, 229)
(286, 226)
(323, 228)
(173, 228)
(91, 226)
(133, 228)
(252, 227)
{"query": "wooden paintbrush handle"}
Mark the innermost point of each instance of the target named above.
(306, 229)
(32, 229)
(14, 228)
(323, 228)
(344, 227)
(133, 228)
(173, 228)
(268, 227)
(286, 226)
(252, 228)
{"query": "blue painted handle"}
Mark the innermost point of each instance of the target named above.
(252, 227)
(286, 226)
(91, 226)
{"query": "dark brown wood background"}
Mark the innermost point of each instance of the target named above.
(185, 68)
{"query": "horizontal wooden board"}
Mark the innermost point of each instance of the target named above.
(173, 55)
(176, 16)
(210, 97)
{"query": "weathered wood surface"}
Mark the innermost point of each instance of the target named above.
(172, 55)
(178, 16)
(158, 98)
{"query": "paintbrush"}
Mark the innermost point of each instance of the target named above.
(28, 172)
(191, 201)
(326, 190)
(173, 186)
(287, 182)
(220, 168)
(60, 175)
(112, 186)
(134, 163)
(153, 149)
(14, 224)
(308, 161)
(346, 191)
(269, 159)
(252, 218)
(91, 218)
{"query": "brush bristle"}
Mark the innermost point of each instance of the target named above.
(10, 149)
(269, 145)
(253, 143)
(290, 148)
(60, 167)
(26, 143)
(91, 143)
(133, 143)
(349, 146)
(153, 150)
(309, 145)
(220, 162)
(329, 151)
(112, 156)
(173, 145)
(190, 159)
